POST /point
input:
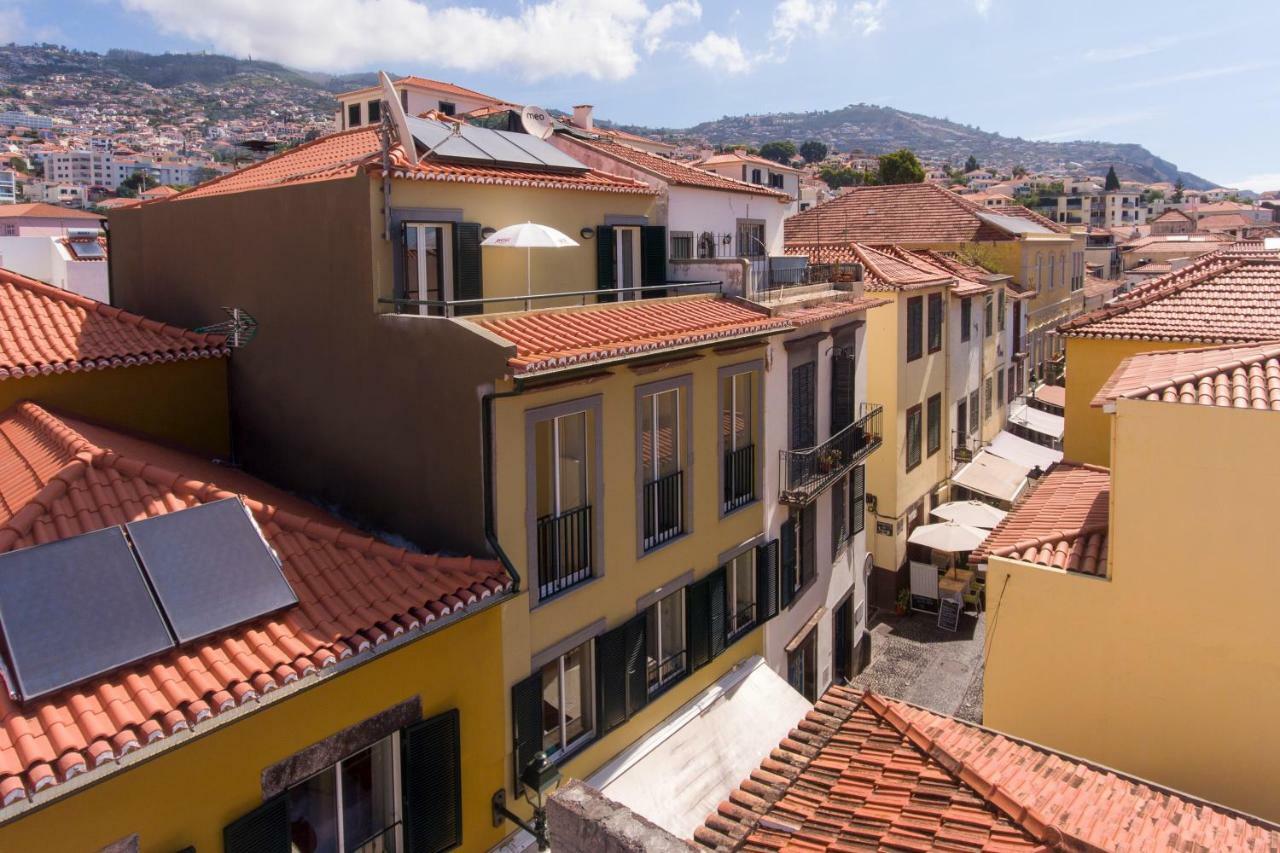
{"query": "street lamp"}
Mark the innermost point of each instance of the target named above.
(539, 778)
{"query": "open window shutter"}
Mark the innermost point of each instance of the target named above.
(767, 580)
(857, 499)
(468, 278)
(605, 273)
(718, 623)
(637, 681)
(526, 720)
(697, 617)
(788, 536)
(431, 784)
(263, 830)
(841, 393)
(653, 254)
(611, 678)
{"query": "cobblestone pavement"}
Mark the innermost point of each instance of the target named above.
(914, 660)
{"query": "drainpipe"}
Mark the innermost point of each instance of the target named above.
(490, 531)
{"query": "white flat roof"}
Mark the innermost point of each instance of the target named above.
(990, 475)
(1014, 448)
(1034, 419)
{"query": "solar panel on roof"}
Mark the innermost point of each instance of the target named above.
(76, 608)
(83, 250)
(485, 145)
(210, 567)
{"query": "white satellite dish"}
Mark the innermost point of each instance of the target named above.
(398, 118)
(536, 122)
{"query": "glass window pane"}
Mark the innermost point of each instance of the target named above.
(672, 633)
(646, 436)
(726, 412)
(653, 646)
(368, 799)
(543, 452)
(742, 573)
(573, 460)
(742, 415)
(668, 434)
(551, 707)
(313, 814)
(577, 692)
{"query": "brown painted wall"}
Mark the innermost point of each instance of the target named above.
(331, 399)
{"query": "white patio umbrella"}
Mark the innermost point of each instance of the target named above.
(972, 513)
(949, 536)
(528, 236)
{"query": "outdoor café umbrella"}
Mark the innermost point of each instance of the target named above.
(972, 513)
(528, 236)
(949, 536)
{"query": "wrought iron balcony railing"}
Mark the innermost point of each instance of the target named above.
(564, 550)
(663, 509)
(807, 473)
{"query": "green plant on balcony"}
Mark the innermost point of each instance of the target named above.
(829, 460)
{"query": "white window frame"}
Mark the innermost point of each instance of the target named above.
(731, 590)
(660, 683)
(589, 667)
(636, 252)
(415, 230)
(396, 793)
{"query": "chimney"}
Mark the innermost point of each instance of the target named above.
(582, 117)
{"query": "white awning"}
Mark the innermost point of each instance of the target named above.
(990, 475)
(949, 536)
(1034, 419)
(678, 773)
(973, 513)
(1006, 445)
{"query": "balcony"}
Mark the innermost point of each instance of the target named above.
(807, 473)
(663, 509)
(739, 477)
(564, 550)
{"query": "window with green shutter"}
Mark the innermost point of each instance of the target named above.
(430, 785)
(468, 275)
(606, 275)
(263, 830)
(857, 499)
(653, 257)
(767, 558)
(620, 673)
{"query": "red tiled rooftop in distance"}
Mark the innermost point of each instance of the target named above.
(829, 309)
(554, 339)
(416, 82)
(41, 210)
(675, 172)
(1239, 377)
(44, 330)
(861, 772)
(60, 478)
(1060, 523)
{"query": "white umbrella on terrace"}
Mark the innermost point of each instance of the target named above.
(972, 513)
(949, 537)
(528, 236)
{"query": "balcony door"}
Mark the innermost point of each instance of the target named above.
(626, 258)
(563, 501)
(661, 453)
(428, 265)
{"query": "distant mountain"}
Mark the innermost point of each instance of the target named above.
(877, 130)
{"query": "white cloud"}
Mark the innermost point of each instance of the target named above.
(1192, 76)
(1258, 183)
(593, 38)
(982, 7)
(675, 14)
(867, 16)
(794, 17)
(1082, 126)
(720, 53)
(1130, 51)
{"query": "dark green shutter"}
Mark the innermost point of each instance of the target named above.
(653, 254)
(717, 621)
(605, 273)
(857, 499)
(788, 535)
(263, 830)
(767, 580)
(611, 678)
(697, 618)
(637, 678)
(431, 784)
(526, 721)
(468, 276)
(842, 374)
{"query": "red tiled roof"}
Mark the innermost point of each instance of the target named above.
(40, 210)
(341, 155)
(1240, 377)
(1226, 222)
(1219, 298)
(555, 339)
(1153, 268)
(1171, 215)
(60, 478)
(1198, 242)
(1097, 286)
(861, 772)
(905, 214)
(969, 277)
(425, 83)
(675, 172)
(1061, 522)
(44, 329)
(735, 157)
(829, 309)
(885, 268)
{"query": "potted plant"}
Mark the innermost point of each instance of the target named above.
(829, 461)
(904, 602)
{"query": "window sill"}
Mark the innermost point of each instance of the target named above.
(737, 509)
(536, 603)
(680, 537)
(560, 757)
(657, 692)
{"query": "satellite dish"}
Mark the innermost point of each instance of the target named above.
(536, 122)
(401, 122)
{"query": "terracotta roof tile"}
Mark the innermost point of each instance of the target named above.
(905, 213)
(1061, 522)
(860, 772)
(40, 209)
(885, 268)
(44, 329)
(341, 155)
(425, 83)
(1220, 298)
(829, 309)
(555, 339)
(1240, 377)
(60, 478)
(675, 172)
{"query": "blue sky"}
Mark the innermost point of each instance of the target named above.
(1195, 83)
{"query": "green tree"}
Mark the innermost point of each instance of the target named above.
(900, 167)
(1113, 181)
(839, 176)
(730, 147)
(783, 151)
(971, 164)
(1019, 171)
(813, 151)
(18, 164)
(136, 183)
(1178, 187)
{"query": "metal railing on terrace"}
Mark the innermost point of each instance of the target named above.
(771, 277)
(564, 550)
(807, 473)
(562, 299)
(663, 509)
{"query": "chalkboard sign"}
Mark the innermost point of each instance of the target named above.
(949, 614)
